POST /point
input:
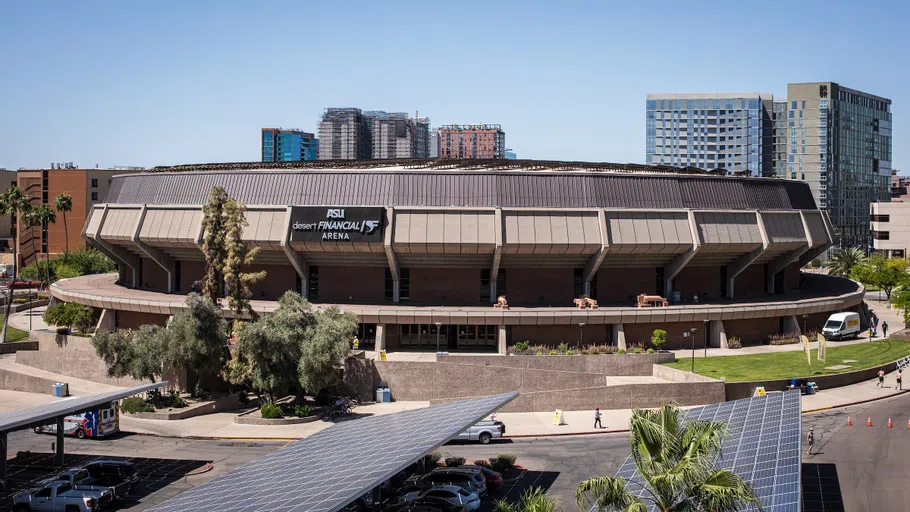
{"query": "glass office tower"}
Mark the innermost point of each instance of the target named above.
(279, 145)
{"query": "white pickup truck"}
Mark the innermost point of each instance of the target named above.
(57, 496)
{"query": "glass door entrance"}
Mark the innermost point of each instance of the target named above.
(450, 337)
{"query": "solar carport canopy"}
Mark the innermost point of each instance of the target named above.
(332, 468)
(47, 413)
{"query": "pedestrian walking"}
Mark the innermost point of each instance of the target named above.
(870, 333)
(884, 329)
(597, 423)
(899, 379)
(881, 378)
(810, 439)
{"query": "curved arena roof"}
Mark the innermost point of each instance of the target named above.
(514, 186)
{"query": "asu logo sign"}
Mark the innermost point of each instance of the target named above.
(349, 224)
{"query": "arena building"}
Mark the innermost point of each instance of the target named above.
(421, 251)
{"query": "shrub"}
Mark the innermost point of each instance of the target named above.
(522, 346)
(787, 338)
(554, 353)
(303, 410)
(483, 463)
(584, 352)
(21, 300)
(659, 338)
(270, 411)
(135, 404)
(66, 271)
(503, 461)
(454, 462)
(734, 342)
(563, 348)
(70, 314)
(570, 352)
(637, 351)
(620, 351)
(176, 401)
(431, 460)
(650, 350)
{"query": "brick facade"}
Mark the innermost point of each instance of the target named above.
(754, 331)
(540, 286)
(190, 272)
(134, 319)
(351, 284)
(750, 282)
(556, 334)
(641, 334)
(153, 276)
(701, 281)
(445, 285)
(278, 279)
(622, 285)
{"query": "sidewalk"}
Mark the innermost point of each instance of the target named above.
(28, 318)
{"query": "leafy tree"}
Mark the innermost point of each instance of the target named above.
(69, 315)
(213, 246)
(843, 261)
(63, 203)
(659, 338)
(13, 203)
(269, 348)
(239, 255)
(325, 348)
(901, 299)
(78, 263)
(32, 219)
(196, 338)
(44, 215)
(883, 273)
(90, 261)
(676, 461)
(135, 354)
(532, 500)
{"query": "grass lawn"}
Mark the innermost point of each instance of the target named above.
(785, 365)
(13, 334)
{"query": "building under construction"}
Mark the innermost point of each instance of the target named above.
(352, 134)
(474, 141)
(341, 135)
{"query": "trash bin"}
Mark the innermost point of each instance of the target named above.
(386, 395)
(60, 390)
(379, 395)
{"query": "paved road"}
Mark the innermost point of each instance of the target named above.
(172, 458)
(871, 464)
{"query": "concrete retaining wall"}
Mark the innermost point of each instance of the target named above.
(227, 403)
(674, 375)
(15, 346)
(14, 381)
(606, 364)
(737, 390)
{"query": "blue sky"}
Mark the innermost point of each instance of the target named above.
(168, 82)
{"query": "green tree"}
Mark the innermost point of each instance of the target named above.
(532, 500)
(325, 348)
(196, 339)
(843, 261)
(32, 218)
(135, 354)
(676, 461)
(239, 255)
(69, 315)
(213, 247)
(13, 203)
(883, 273)
(63, 203)
(268, 349)
(659, 338)
(44, 215)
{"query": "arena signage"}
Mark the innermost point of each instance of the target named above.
(336, 224)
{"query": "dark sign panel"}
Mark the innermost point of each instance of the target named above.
(336, 224)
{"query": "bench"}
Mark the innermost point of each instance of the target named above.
(646, 301)
(501, 302)
(901, 363)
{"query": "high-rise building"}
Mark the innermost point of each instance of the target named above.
(475, 141)
(280, 145)
(395, 135)
(434, 143)
(839, 141)
(421, 137)
(728, 131)
(511, 155)
(779, 138)
(341, 135)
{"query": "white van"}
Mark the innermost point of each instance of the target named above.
(841, 326)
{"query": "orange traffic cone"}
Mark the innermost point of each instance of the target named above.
(850, 422)
(908, 424)
(869, 422)
(890, 425)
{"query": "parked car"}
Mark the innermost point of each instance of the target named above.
(484, 431)
(58, 496)
(493, 478)
(80, 480)
(452, 494)
(471, 481)
(120, 475)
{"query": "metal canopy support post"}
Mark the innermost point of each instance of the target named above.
(782, 262)
(394, 269)
(157, 255)
(678, 263)
(300, 266)
(742, 263)
(593, 264)
(3, 446)
(58, 457)
(497, 254)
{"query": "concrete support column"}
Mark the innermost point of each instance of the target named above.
(718, 338)
(107, 320)
(791, 324)
(619, 336)
(3, 446)
(502, 340)
(58, 457)
(380, 339)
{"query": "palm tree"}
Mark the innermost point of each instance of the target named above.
(45, 215)
(63, 203)
(532, 500)
(676, 462)
(843, 261)
(13, 203)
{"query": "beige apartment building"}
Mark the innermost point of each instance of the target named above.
(890, 226)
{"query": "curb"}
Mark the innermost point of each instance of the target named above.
(859, 402)
(563, 434)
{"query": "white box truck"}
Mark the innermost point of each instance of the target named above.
(841, 326)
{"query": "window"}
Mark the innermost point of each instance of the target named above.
(43, 493)
(94, 196)
(881, 218)
(94, 182)
(881, 235)
(313, 284)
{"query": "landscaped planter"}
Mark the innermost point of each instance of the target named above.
(251, 418)
(227, 403)
(737, 390)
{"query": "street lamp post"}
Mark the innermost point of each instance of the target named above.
(438, 324)
(691, 334)
(805, 328)
(581, 335)
(706, 338)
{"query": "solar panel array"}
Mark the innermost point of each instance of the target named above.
(332, 468)
(763, 447)
(32, 416)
